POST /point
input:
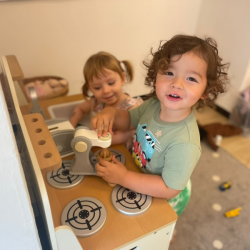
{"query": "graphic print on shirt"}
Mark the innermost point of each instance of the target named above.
(143, 146)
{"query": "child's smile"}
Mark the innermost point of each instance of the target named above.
(107, 88)
(174, 97)
(110, 97)
(181, 86)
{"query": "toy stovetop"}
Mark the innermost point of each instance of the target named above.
(118, 229)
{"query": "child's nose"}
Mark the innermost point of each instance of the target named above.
(178, 84)
(106, 89)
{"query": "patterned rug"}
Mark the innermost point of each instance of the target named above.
(203, 224)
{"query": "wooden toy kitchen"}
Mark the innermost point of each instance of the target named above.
(79, 209)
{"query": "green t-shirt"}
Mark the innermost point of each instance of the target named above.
(169, 149)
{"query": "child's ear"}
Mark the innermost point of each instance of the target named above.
(204, 96)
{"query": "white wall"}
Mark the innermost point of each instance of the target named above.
(228, 22)
(56, 37)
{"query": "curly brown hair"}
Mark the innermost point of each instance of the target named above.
(96, 65)
(180, 44)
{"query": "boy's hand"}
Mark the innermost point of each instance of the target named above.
(111, 172)
(103, 121)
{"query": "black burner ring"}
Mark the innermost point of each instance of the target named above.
(84, 214)
(65, 172)
(131, 195)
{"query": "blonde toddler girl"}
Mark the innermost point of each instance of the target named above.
(104, 77)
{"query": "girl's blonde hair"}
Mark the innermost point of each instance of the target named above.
(96, 65)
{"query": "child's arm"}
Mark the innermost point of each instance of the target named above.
(120, 137)
(109, 117)
(148, 184)
(79, 111)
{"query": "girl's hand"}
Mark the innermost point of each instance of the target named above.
(103, 121)
(111, 172)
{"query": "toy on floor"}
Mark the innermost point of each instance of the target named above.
(216, 131)
(225, 185)
(233, 213)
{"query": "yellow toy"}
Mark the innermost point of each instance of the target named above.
(233, 213)
(225, 185)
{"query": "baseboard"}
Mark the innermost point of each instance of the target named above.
(222, 111)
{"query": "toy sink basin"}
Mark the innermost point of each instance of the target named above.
(65, 110)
